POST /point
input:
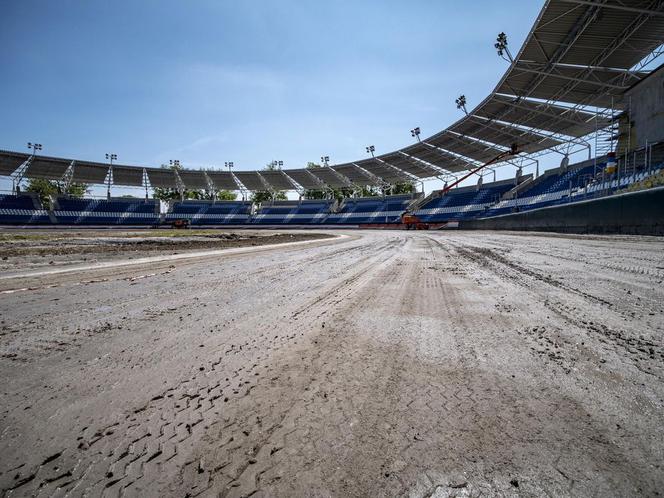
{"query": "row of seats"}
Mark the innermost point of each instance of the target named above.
(462, 203)
(138, 212)
(210, 213)
(564, 186)
(26, 209)
(293, 212)
(612, 183)
(352, 211)
(23, 209)
(370, 210)
(106, 212)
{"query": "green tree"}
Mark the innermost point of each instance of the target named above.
(226, 195)
(402, 188)
(315, 194)
(265, 195)
(47, 188)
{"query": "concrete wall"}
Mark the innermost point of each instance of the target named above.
(644, 103)
(634, 213)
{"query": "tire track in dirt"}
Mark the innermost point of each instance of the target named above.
(639, 349)
(153, 440)
(382, 381)
(113, 318)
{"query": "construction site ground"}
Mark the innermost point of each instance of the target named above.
(343, 363)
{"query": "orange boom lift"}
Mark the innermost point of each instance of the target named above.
(413, 222)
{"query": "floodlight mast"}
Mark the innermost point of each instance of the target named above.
(501, 47)
(18, 175)
(34, 147)
(229, 165)
(415, 133)
(111, 157)
(370, 150)
(461, 103)
(325, 160)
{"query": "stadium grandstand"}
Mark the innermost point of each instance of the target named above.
(582, 81)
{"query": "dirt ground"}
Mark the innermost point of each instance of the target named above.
(36, 248)
(374, 364)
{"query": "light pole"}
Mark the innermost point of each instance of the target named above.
(461, 103)
(229, 165)
(325, 160)
(501, 47)
(415, 133)
(370, 150)
(34, 147)
(111, 157)
(175, 163)
(276, 164)
(16, 180)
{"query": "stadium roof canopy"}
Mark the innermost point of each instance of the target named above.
(568, 78)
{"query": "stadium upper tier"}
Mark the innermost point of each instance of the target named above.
(579, 58)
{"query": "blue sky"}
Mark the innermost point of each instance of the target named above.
(212, 81)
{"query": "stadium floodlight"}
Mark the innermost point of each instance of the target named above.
(501, 47)
(35, 147)
(111, 157)
(461, 103)
(415, 132)
(280, 164)
(174, 162)
(229, 165)
(325, 160)
(370, 150)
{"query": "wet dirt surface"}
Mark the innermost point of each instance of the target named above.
(382, 364)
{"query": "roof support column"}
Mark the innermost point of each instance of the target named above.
(68, 175)
(18, 175)
(210, 186)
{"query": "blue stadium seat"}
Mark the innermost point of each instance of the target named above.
(550, 189)
(21, 209)
(462, 203)
(366, 210)
(107, 212)
(302, 212)
(210, 213)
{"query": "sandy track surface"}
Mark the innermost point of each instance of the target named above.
(382, 364)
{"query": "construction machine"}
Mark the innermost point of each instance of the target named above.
(412, 222)
(180, 224)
